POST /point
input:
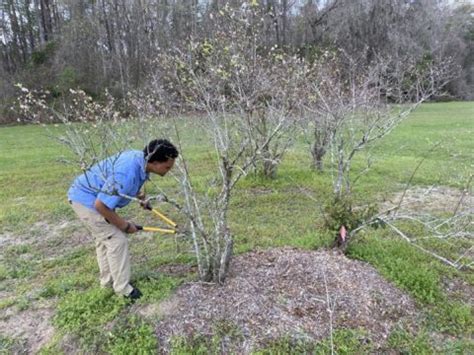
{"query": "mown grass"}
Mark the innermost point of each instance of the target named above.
(285, 211)
(32, 178)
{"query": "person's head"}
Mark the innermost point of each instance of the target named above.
(159, 156)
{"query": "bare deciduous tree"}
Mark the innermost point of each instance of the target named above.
(352, 105)
(249, 100)
(233, 72)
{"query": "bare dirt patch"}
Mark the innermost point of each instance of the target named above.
(162, 309)
(7, 239)
(439, 199)
(50, 239)
(284, 292)
(55, 240)
(459, 289)
(32, 329)
(447, 216)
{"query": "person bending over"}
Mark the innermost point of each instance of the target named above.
(98, 192)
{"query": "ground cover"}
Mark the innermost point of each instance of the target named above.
(48, 283)
(288, 292)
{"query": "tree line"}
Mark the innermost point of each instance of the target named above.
(94, 45)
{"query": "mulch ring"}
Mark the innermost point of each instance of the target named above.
(285, 293)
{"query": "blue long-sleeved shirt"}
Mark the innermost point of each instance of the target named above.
(123, 173)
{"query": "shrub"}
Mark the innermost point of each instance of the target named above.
(341, 212)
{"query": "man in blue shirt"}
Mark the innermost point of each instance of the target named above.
(106, 186)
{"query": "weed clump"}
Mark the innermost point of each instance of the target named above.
(341, 212)
(132, 335)
(85, 313)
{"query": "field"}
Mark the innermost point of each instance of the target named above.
(50, 297)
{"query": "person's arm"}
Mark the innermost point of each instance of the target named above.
(114, 218)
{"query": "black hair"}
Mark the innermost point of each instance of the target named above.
(160, 150)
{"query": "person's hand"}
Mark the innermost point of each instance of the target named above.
(131, 228)
(146, 204)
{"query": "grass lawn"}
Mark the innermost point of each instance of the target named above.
(45, 261)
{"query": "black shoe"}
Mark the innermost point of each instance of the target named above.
(134, 295)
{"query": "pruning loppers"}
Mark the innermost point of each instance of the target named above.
(173, 225)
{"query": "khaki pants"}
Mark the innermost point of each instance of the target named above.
(111, 246)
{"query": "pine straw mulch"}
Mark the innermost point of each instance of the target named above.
(283, 293)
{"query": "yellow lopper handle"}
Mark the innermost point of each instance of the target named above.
(163, 217)
(161, 230)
